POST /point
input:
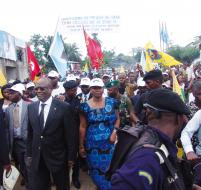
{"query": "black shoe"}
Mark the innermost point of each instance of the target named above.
(76, 183)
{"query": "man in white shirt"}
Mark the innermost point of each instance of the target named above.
(51, 143)
(58, 88)
(84, 95)
(192, 127)
(31, 94)
(17, 123)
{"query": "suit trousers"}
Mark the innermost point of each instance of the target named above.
(41, 179)
(76, 169)
(19, 150)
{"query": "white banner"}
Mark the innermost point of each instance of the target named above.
(92, 24)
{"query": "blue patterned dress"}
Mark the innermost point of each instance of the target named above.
(98, 147)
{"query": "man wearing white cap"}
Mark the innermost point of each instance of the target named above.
(106, 78)
(140, 90)
(17, 123)
(30, 91)
(58, 89)
(85, 90)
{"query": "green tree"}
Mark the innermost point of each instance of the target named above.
(95, 37)
(109, 56)
(72, 52)
(41, 47)
(136, 52)
(196, 43)
(184, 54)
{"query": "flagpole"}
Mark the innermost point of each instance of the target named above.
(55, 31)
(160, 33)
(56, 26)
(167, 37)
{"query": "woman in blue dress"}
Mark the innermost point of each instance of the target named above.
(98, 119)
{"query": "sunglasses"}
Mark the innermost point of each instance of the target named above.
(52, 78)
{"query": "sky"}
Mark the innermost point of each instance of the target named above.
(139, 20)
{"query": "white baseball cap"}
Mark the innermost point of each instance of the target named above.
(11, 81)
(85, 81)
(106, 75)
(30, 84)
(18, 88)
(96, 82)
(53, 73)
(71, 77)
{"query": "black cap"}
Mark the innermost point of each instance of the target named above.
(153, 74)
(166, 100)
(70, 84)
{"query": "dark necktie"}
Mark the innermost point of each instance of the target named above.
(41, 116)
(85, 98)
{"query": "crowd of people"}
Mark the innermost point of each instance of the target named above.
(128, 130)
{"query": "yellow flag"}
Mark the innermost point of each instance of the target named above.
(155, 56)
(85, 68)
(176, 87)
(2, 81)
(167, 60)
(149, 62)
(36, 78)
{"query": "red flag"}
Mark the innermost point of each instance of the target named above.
(94, 51)
(33, 63)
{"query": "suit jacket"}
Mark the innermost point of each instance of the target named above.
(4, 158)
(9, 123)
(79, 96)
(56, 142)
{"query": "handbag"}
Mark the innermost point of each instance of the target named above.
(10, 178)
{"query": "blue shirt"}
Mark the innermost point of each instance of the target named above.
(142, 170)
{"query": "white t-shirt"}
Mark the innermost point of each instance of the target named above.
(58, 91)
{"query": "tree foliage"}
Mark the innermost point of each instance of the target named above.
(184, 54)
(73, 52)
(108, 56)
(137, 54)
(41, 47)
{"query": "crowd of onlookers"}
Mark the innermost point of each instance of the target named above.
(51, 126)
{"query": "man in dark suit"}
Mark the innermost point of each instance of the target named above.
(4, 158)
(51, 139)
(16, 125)
(85, 94)
(74, 102)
